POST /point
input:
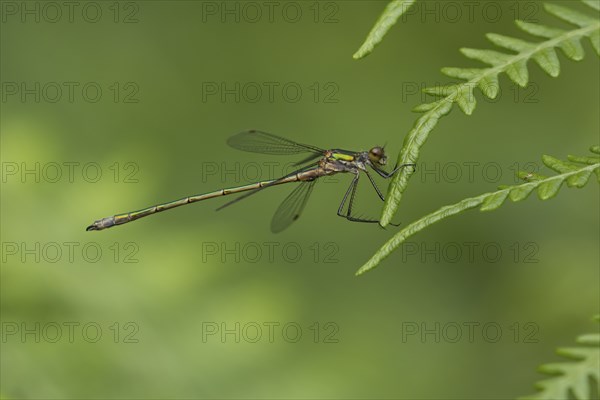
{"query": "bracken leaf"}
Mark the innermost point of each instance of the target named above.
(573, 378)
(573, 49)
(490, 57)
(486, 79)
(595, 4)
(558, 165)
(569, 15)
(489, 85)
(442, 91)
(494, 201)
(462, 73)
(393, 11)
(548, 61)
(584, 160)
(595, 39)
(539, 30)
(549, 188)
(426, 106)
(509, 43)
(518, 73)
(466, 99)
(579, 180)
(519, 193)
(576, 176)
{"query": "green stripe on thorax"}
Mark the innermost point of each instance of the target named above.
(342, 156)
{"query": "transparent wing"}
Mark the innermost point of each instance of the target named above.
(291, 208)
(267, 143)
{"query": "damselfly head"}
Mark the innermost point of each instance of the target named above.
(377, 155)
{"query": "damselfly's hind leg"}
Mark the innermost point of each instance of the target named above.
(352, 192)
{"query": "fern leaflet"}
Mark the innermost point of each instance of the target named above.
(486, 79)
(388, 18)
(575, 172)
(572, 377)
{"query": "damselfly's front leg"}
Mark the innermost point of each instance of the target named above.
(388, 175)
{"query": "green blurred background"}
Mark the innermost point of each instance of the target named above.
(155, 123)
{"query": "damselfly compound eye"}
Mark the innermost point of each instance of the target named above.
(377, 155)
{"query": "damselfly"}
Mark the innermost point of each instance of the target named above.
(317, 164)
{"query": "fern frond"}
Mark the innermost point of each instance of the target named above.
(576, 173)
(514, 64)
(572, 377)
(388, 18)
